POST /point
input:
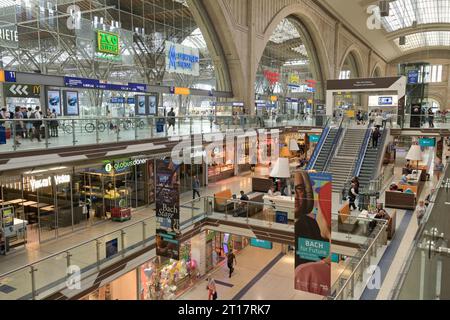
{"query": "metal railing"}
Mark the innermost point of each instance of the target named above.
(362, 152)
(318, 148)
(28, 134)
(337, 142)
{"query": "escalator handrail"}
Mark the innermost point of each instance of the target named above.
(335, 144)
(380, 152)
(362, 153)
(318, 148)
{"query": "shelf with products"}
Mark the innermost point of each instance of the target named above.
(221, 168)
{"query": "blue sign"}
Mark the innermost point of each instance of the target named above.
(314, 138)
(137, 87)
(385, 101)
(131, 101)
(281, 217)
(264, 244)
(427, 142)
(312, 250)
(413, 77)
(10, 76)
(311, 89)
(81, 83)
(118, 100)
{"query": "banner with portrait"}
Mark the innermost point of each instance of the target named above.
(313, 200)
(167, 198)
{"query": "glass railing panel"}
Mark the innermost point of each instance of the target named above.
(16, 285)
(84, 256)
(50, 272)
(134, 236)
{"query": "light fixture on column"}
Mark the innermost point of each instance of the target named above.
(293, 145)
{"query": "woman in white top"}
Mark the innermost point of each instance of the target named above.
(420, 212)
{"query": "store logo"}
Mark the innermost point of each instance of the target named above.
(119, 166)
(47, 182)
(108, 42)
(172, 57)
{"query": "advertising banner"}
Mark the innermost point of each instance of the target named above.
(413, 77)
(141, 105)
(153, 105)
(182, 59)
(7, 217)
(54, 101)
(313, 195)
(72, 104)
(167, 195)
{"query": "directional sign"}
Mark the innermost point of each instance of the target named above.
(10, 76)
(22, 90)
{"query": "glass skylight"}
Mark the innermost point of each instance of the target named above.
(425, 39)
(301, 49)
(403, 13)
(285, 31)
(195, 40)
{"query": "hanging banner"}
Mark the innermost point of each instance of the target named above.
(182, 59)
(313, 198)
(168, 244)
(167, 195)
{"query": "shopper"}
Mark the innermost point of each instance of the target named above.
(375, 137)
(379, 121)
(231, 262)
(18, 124)
(211, 287)
(352, 194)
(430, 118)
(171, 120)
(36, 117)
(438, 168)
(420, 212)
(195, 188)
(53, 124)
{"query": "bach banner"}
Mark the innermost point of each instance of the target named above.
(167, 195)
(313, 195)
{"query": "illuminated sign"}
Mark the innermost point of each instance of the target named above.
(47, 182)
(182, 59)
(9, 36)
(272, 77)
(108, 42)
(118, 166)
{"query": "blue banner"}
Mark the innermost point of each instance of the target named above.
(413, 77)
(81, 83)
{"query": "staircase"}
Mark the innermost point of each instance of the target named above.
(326, 149)
(342, 165)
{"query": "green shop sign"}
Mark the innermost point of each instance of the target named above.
(108, 42)
(121, 165)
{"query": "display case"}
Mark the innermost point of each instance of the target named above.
(220, 168)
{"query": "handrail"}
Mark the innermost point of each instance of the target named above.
(381, 150)
(406, 266)
(362, 153)
(318, 149)
(335, 144)
(344, 286)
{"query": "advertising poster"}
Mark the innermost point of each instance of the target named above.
(7, 217)
(72, 106)
(313, 195)
(54, 101)
(167, 244)
(112, 248)
(141, 105)
(153, 105)
(167, 195)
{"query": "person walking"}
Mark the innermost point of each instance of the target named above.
(430, 118)
(195, 188)
(375, 137)
(438, 168)
(36, 117)
(231, 262)
(171, 120)
(352, 194)
(18, 124)
(211, 287)
(420, 212)
(25, 132)
(379, 121)
(53, 124)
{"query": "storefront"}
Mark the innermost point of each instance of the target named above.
(55, 201)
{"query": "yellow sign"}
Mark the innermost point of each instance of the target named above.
(273, 98)
(2, 75)
(294, 78)
(182, 91)
(351, 113)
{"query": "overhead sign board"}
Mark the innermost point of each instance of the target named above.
(74, 82)
(108, 42)
(14, 90)
(182, 59)
(9, 36)
(81, 83)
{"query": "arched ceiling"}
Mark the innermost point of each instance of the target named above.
(425, 24)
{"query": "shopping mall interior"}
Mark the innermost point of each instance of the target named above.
(224, 150)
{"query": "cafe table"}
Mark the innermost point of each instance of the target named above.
(39, 205)
(48, 209)
(16, 201)
(29, 203)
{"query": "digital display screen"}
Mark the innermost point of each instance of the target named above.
(72, 108)
(385, 101)
(54, 101)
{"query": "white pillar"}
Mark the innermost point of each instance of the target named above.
(198, 252)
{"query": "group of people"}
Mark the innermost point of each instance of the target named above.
(27, 122)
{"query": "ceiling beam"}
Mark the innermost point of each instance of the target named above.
(418, 29)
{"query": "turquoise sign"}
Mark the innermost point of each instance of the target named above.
(312, 250)
(314, 138)
(261, 244)
(427, 142)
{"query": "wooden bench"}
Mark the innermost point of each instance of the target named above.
(344, 220)
(221, 199)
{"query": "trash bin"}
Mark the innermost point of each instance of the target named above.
(160, 125)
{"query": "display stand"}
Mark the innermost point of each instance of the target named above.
(120, 214)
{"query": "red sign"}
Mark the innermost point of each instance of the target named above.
(272, 77)
(311, 83)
